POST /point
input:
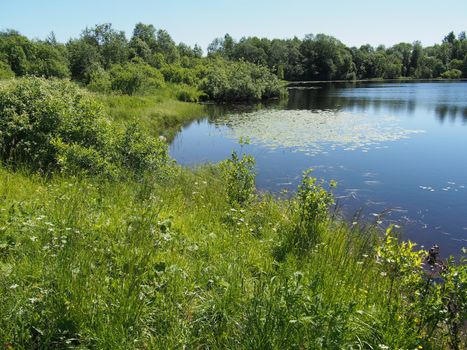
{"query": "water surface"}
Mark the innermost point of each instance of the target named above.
(397, 150)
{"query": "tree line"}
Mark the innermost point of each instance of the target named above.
(323, 57)
(105, 60)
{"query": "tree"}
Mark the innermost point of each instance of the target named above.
(326, 58)
(111, 44)
(146, 33)
(84, 58)
(464, 67)
(166, 46)
(417, 52)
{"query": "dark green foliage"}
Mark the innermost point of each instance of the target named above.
(111, 45)
(180, 75)
(239, 81)
(52, 125)
(133, 77)
(84, 59)
(326, 58)
(322, 57)
(47, 59)
(316, 57)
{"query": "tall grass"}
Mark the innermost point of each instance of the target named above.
(197, 259)
(170, 264)
(160, 111)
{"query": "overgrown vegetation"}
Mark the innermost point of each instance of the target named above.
(50, 125)
(250, 69)
(190, 259)
(105, 61)
(323, 57)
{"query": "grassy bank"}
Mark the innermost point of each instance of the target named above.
(150, 255)
(160, 113)
(171, 264)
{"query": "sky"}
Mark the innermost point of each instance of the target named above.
(354, 22)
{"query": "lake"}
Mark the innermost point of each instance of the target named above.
(398, 151)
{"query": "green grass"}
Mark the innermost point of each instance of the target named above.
(198, 259)
(159, 112)
(169, 264)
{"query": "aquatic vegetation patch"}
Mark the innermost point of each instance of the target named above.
(315, 131)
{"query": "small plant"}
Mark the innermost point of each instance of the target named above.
(239, 174)
(311, 212)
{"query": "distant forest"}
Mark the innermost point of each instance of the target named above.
(323, 57)
(101, 57)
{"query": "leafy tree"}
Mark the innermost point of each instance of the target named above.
(17, 51)
(134, 77)
(145, 33)
(166, 46)
(326, 58)
(111, 44)
(48, 62)
(417, 53)
(84, 58)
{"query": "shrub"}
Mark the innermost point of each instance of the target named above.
(5, 71)
(310, 214)
(240, 178)
(99, 81)
(51, 125)
(240, 81)
(135, 77)
(140, 152)
(452, 74)
(179, 75)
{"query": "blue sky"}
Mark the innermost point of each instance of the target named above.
(355, 22)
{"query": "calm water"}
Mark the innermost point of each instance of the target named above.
(394, 148)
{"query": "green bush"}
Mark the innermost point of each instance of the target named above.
(135, 77)
(240, 81)
(179, 75)
(52, 125)
(310, 211)
(5, 71)
(452, 74)
(99, 81)
(239, 175)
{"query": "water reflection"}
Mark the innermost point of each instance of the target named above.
(418, 181)
(445, 99)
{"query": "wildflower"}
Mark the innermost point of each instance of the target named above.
(14, 286)
(33, 238)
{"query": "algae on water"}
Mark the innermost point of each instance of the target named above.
(315, 131)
